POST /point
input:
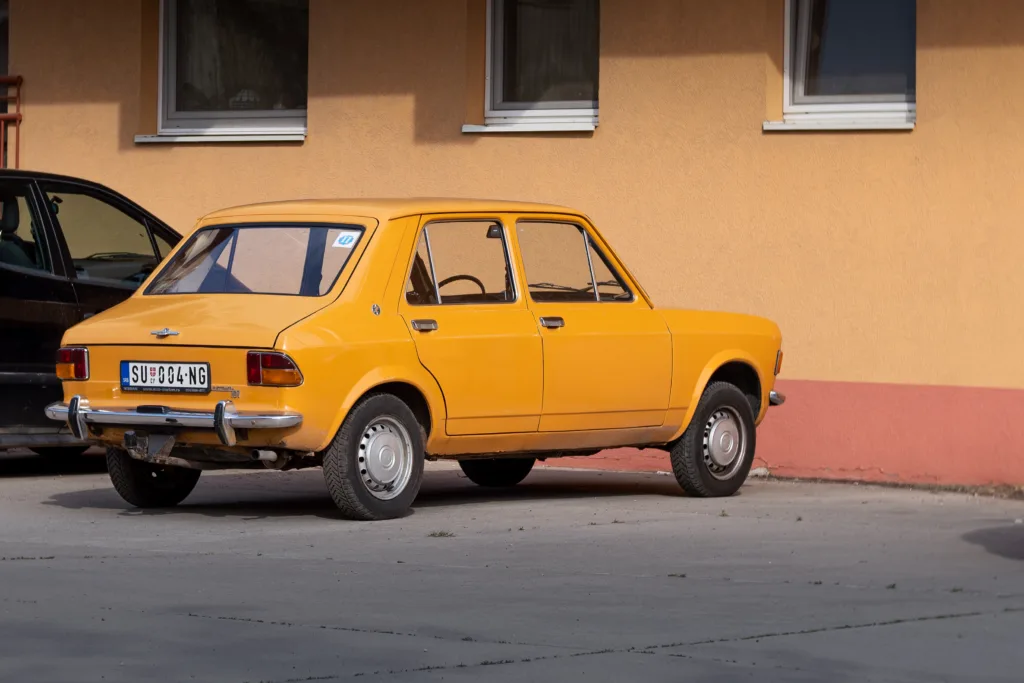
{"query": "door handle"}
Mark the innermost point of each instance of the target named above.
(552, 322)
(424, 325)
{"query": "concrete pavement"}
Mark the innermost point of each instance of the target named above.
(573, 575)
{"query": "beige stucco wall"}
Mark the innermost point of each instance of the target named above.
(884, 256)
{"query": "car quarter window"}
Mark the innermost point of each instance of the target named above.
(105, 243)
(563, 264)
(460, 262)
(22, 242)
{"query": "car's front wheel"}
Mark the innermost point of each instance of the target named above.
(497, 472)
(146, 485)
(374, 466)
(714, 454)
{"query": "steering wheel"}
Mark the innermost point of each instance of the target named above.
(456, 278)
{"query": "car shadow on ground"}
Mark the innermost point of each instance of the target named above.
(1004, 541)
(290, 494)
(27, 464)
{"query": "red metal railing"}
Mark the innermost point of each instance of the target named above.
(9, 118)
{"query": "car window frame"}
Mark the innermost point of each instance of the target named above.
(590, 241)
(507, 245)
(116, 201)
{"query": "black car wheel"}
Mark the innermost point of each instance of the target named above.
(714, 454)
(146, 485)
(497, 472)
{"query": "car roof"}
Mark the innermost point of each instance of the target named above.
(385, 208)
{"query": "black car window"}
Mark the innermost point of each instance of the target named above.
(21, 237)
(106, 244)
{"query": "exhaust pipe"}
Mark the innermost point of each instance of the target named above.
(264, 456)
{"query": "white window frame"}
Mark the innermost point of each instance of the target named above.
(833, 112)
(174, 126)
(538, 116)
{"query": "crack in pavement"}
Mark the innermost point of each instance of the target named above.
(843, 627)
(642, 650)
(382, 632)
(443, 667)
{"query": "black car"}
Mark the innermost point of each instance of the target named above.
(69, 248)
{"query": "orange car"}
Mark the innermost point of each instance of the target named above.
(368, 336)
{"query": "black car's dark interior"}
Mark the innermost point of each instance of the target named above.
(14, 249)
(121, 266)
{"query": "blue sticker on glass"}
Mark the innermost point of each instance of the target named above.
(346, 239)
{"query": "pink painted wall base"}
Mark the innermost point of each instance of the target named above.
(910, 434)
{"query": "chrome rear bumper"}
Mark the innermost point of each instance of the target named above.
(775, 398)
(224, 419)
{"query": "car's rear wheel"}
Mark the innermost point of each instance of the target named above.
(374, 466)
(714, 454)
(60, 452)
(146, 485)
(497, 472)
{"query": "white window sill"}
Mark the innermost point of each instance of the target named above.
(782, 126)
(844, 120)
(531, 127)
(175, 138)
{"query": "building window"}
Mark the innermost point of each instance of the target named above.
(851, 61)
(234, 66)
(543, 62)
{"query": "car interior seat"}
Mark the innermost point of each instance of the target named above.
(13, 250)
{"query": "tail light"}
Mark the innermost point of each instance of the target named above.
(778, 363)
(73, 363)
(264, 369)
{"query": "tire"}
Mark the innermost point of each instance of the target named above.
(497, 472)
(145, 485)
(60, 452)
(723, 416)
(379, 430)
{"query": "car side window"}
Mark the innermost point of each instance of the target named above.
(105, 243)
(460, 262)
(163, 246)
(22, 242)
(563, 264)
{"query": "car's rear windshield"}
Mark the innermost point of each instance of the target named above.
(291, 259)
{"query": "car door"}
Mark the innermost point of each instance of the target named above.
(37, 304)
(607, 354)
(471, 326)
(109, 246)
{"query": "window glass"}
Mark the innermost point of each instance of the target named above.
(259, 259)
(21, 239)
(555, 258)
(420, 288)
(105, 243)
(239, 56)
(858, 48)
(162, 245)
(547, 51)
(610, 287)
(470, 264)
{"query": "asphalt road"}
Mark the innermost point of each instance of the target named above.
(573, 576)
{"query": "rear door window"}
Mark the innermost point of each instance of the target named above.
(296, 260)
(22, 240)
(461, 262)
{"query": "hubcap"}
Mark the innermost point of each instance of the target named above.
(725, 443)
(385, 458)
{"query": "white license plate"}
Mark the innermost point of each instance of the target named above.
(186, 378)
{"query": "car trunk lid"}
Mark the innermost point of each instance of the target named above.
(219, 320)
